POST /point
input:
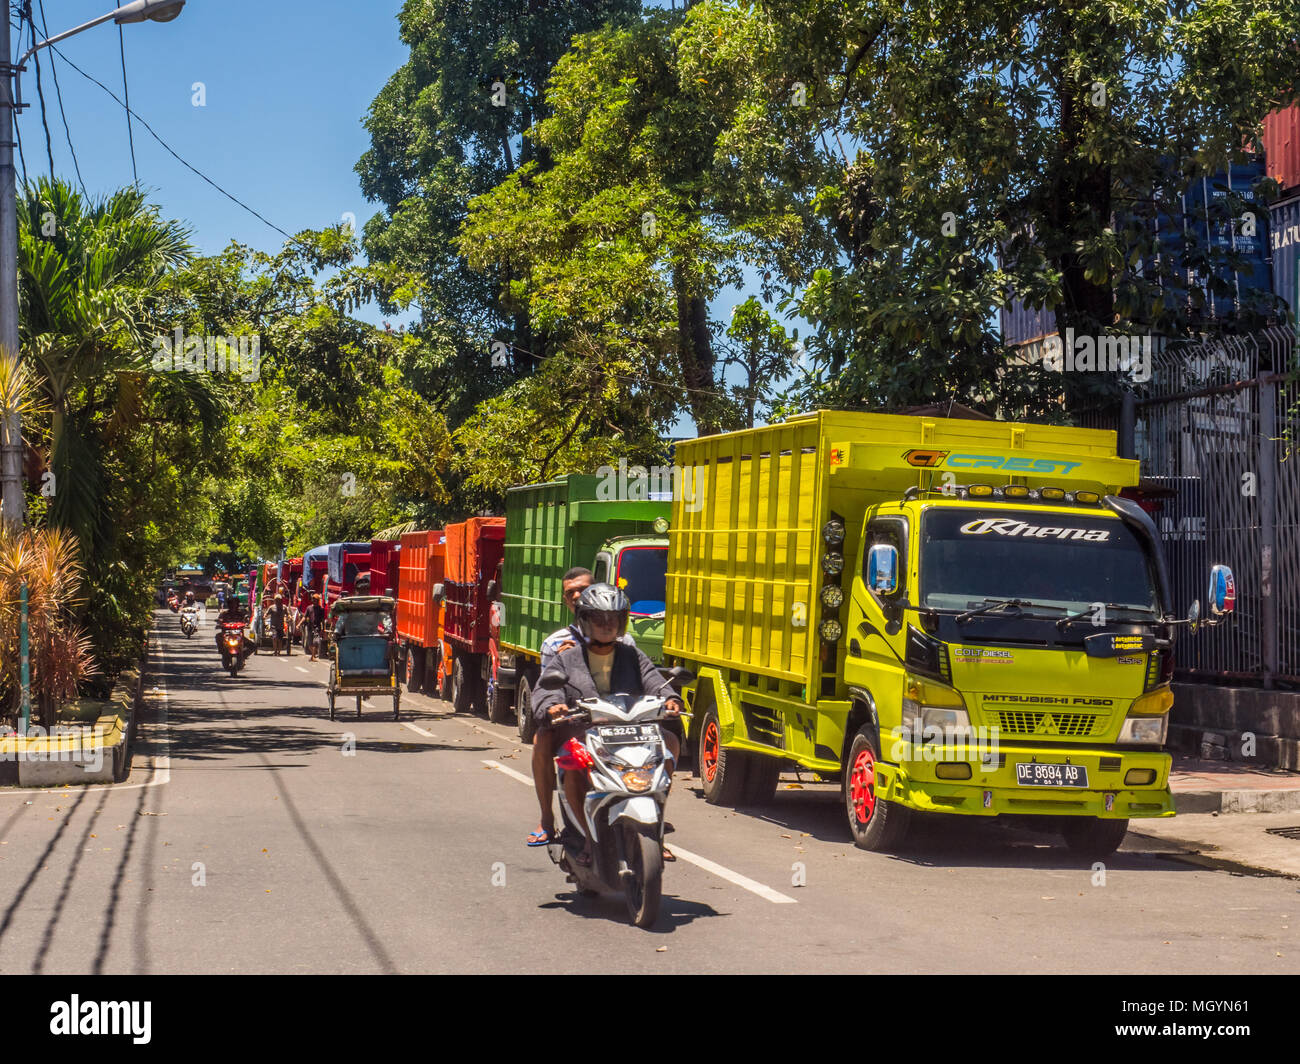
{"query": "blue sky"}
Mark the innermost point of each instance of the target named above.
(285, 86)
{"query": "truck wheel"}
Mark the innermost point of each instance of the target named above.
(874, 823)
(462, 696)
(722, 771)
(414, 669)
(1090, 836)
(524, 710)
(762, 773)
(500, 707)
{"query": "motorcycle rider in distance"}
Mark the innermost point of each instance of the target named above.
(233, 612)
(604, 665)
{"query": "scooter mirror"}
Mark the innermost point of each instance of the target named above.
(681, 676)
(551, 681)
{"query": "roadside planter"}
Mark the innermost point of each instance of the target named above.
(90, 745)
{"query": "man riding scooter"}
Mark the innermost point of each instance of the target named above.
(602, 665)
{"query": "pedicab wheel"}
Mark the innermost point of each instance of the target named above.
(397, 703)
(874, 823)
(722, 771)
(331, 700)
(1093, 837)
(358, 707)
(524, 710)
(643, 889)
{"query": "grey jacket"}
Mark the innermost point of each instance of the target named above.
(633, 674)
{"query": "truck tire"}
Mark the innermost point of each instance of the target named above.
(414, 669)
(524, 709)
(1093, 837)
(462, 694)
(762, 773)
(501, 708)
(874, 823)
(722, 771)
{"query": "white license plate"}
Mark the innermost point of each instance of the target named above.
(1035, 774)
(620, 734)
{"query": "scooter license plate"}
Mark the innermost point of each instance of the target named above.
(622, 734)
(1035, 774)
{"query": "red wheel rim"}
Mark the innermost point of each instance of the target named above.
(710, 751)
(862, 785)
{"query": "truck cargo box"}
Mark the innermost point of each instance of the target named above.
(550, 528)
(383, 566)
(744, 568)
(422, 560)
(474, 550)
(336, 552)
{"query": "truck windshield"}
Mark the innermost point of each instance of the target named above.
(1068, 561)
(642, 574)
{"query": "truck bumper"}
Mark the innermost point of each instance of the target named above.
(994, 792)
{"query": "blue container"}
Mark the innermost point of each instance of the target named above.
(1284, 240)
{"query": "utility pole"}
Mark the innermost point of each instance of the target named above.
(11, 440)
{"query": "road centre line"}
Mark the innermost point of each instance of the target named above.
(722, 872)
(418, 730)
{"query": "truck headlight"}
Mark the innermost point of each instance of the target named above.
(1148, 718)
(927, 704)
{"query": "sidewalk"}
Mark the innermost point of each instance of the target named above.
(1225, 813)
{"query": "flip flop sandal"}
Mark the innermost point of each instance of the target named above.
(541, 838)
(668, 854)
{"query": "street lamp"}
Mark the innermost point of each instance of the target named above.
(11, 460)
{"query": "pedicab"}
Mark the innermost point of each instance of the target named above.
(364, 652)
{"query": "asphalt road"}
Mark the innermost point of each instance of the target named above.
(255, 836)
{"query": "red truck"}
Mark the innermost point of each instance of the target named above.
(474, 552)
(384, 566)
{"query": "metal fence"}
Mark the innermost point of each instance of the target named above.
(1218, 426)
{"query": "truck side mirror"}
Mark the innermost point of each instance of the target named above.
(882, 568)
(1222, 597)
(438, 593)
(493, 591)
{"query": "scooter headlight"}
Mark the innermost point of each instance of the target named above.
(638, 780)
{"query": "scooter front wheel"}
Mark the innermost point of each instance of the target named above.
(643, 889)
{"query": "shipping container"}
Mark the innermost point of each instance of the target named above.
(1023, 325)
(550, 528)
(1284, 239)
(420, 611)
(1281, 144)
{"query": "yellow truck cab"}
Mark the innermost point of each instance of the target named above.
(946, 615)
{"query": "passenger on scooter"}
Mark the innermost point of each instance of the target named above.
(233, 612)
(602, 665)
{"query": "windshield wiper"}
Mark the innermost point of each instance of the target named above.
(1064, 621)
(1000, 604)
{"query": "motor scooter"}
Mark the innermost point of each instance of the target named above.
(233, 646)
(625, 759)
(189, 620)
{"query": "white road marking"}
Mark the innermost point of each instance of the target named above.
(302, 670)
(748, 884)
(510, 772)
(418, 730)
(744, 882)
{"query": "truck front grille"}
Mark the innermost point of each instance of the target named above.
(1027, 722)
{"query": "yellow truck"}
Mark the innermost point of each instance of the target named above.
(947, 616)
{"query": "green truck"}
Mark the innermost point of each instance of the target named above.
(550, 528)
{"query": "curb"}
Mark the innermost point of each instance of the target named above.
(1245, 801)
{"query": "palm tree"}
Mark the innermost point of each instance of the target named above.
(92, 276)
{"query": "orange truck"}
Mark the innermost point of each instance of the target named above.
(421, 611)
(475, 549)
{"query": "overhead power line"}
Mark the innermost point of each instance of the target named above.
(126, 102)
(170, 150)
(58, 92)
